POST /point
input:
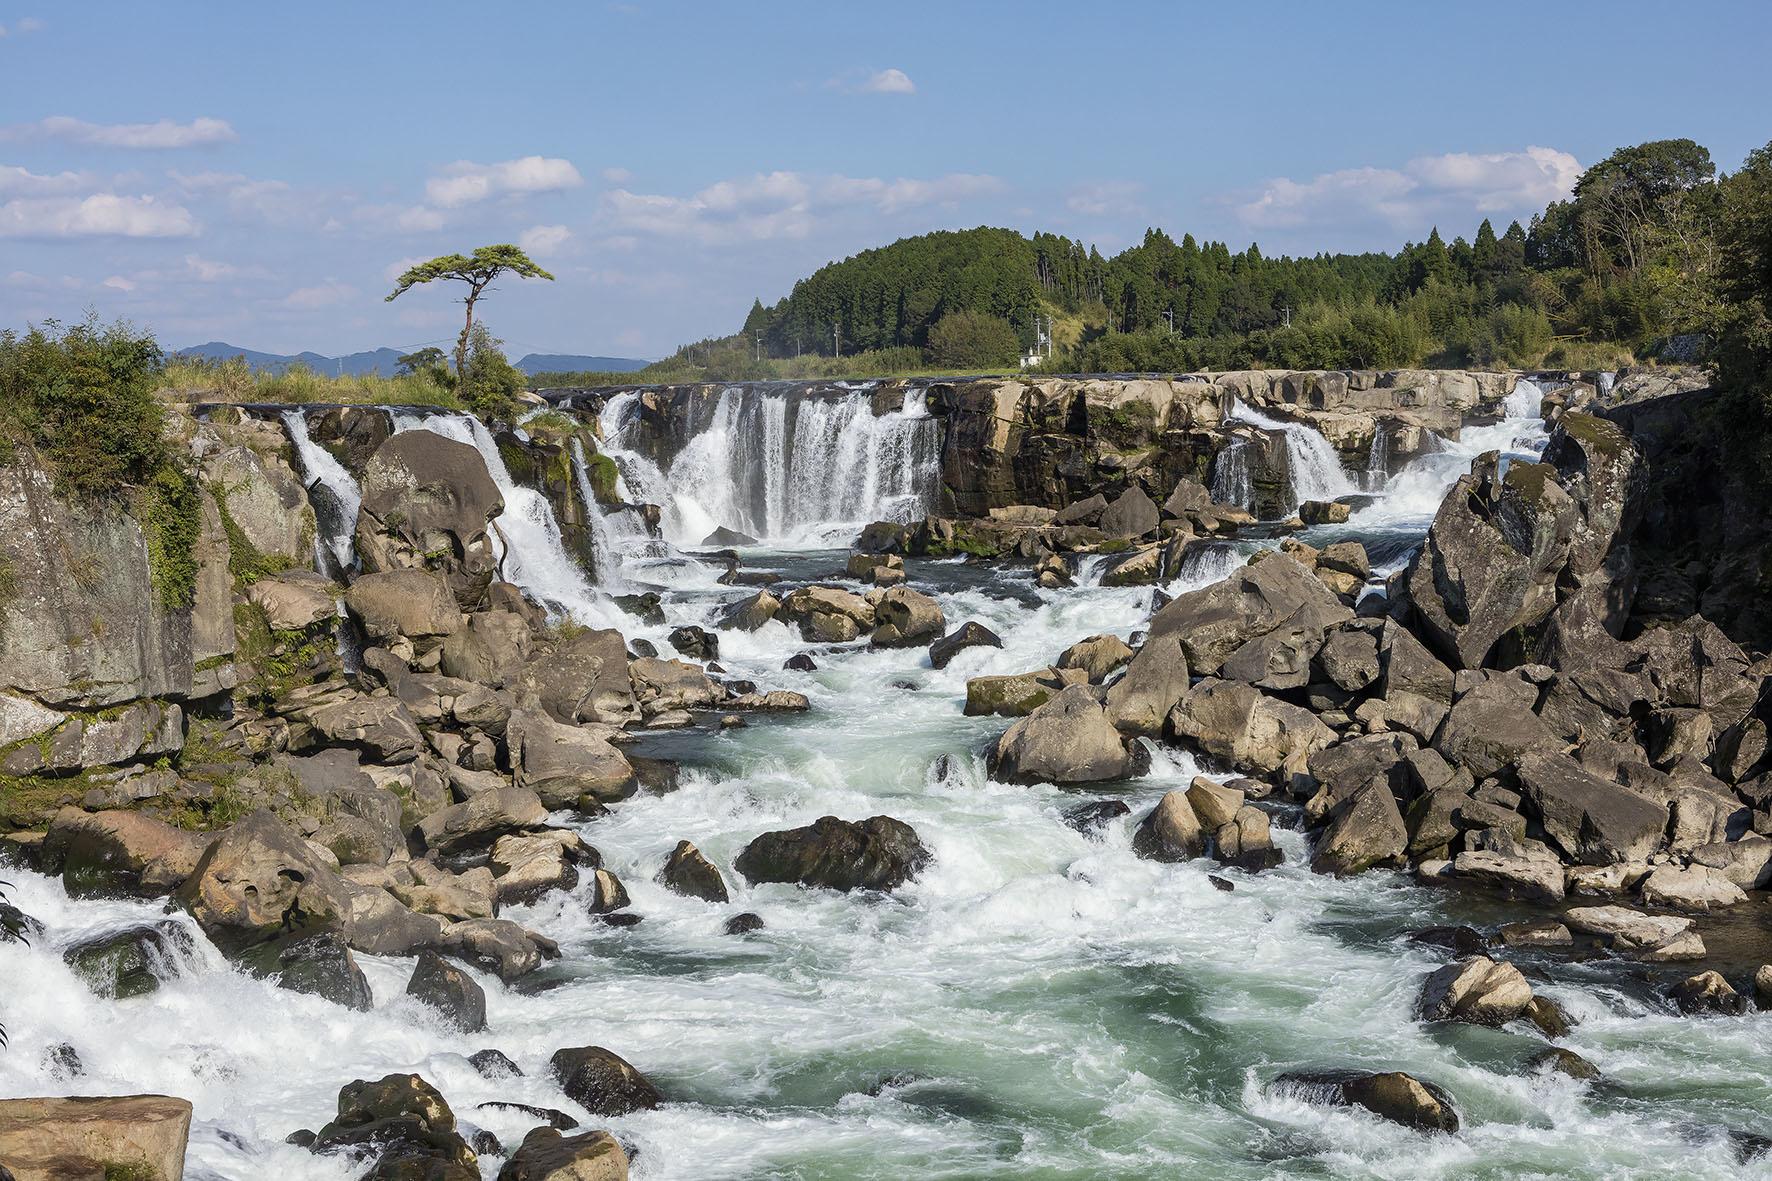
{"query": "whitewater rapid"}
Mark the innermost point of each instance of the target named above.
(1037, 1004)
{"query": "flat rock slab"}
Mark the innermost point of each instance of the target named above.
(53, 1139)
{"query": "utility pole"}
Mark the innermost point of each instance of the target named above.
(837, 337)
(1169, 315)
(759, 346)
(1286, 313)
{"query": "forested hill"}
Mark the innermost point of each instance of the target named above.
(1621, 269)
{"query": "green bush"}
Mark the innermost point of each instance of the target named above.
(493, 383)
(962, 340)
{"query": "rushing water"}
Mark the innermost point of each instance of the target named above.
(335, 515)
(1231, 482)
(781, 466)
(1038, 1004)
(1315, 471)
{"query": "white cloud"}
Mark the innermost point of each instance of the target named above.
(466, 182)
(119, 283)
(22, 180)
(206, 270)
(891, 81)
(777, 205)
(617, 176)
(100, 215)
(162, 134)
(29, 24)
(544, 240)
(1456, 185)
(400, 266)
(322, 295)
(1108, 198)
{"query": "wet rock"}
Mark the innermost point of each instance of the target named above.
(607, 893)
(1366, 832)
(688, 873)
(879, 853)
(553, 1117)
(1534, 933)
(1465, 941)
(695, 643)
(743, 924)
(751, 613)
(1096, 656)
(1478, 990)
(449, 990)
(406, 1127)
(1018, 695)
(119, 852)
(1252, 731)
(1393, 1095)
(56, 1138)
(661, 686)
(1069, 739)
(603, 1082)
(1321, 512)
(1561, 1061)
(905, 618)
(260, 880)
(1221, 884)
(317, 963)
(1171, 832)
(494, 1064)
(1707, 992)
(970, 634)
(527, 866)
(546, 1155)
(1131, 515)
(126, 963)
(827, 614)
(1091, 818)
(800, 663)
(1551, 1018)
(1155, 681)
(497, 945)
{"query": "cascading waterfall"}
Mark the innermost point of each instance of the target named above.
(1316, 471)
(800, 470)
(533, 554)
(1606, 381)
(335, 514)
(1378, 459)
(1230, 475)
(1524, 400)
(617, 534)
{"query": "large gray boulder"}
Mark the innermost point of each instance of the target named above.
(262, 496)
(905, 618)
(1070, 739)
(567, 766)
(584, 678)
(1155, 680)
(120, 852)
(490, 650)
(258, 881)
(879, 853)
(1275, 593)
(1368, 831)
(1593, 821)
(1477, 990)
(1490, 729)
(1248, 729)
(546, 1154)
(428, 503)
(1131, 515)
(1392, 1095)
(415, 604)
(480, 820)
(66, 1137)
(603, 1082)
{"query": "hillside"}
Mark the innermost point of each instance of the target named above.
(384, 362)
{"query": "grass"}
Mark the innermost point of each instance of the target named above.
(192, 380)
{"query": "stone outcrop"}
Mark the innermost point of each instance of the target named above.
(429, 503)
(95, 1137)
(879, 853)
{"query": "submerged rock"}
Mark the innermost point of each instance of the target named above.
(603, 1082)
(123, 964)
(879, 853)
(450, 991)
(1392, 1095)
(688, 873)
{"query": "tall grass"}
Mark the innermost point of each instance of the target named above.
(200, 380)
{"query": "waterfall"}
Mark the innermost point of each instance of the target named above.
(1525, 400)
(617, 534)
(801, 469)
(335, 523)
(1378, 459)
(533, 555)
(1230, 475)
(1606, 381)
(1204, 563)
(1316, 471)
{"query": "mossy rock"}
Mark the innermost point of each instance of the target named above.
(120, 965)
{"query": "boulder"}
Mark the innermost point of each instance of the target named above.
(480, 820)
(1131, 515)
(970, 634)
(497, 945)
(751, 613)
(667, 686)
(1533, 879)
(688, 873)
(602, 1082)
(452, 992)
(415, 604)
(526, 866)
(1477, 990)
(1171, 832)
(1069, 739)
(490, 650)
(1082, 512)
(1593, 821)
(1393, 1095)
(1096, 656)
(316, 962)
(546, 1155)
(1489, 729)
(1367, 831)
(1691, 888)
(1323, 512)
(1349, 658)
(1155, 680)
(86, 1137)
(260, 880)
(428, 503)
(879, 853)
(404, 1125)
(121, 964)
(1252, 731)
(293, 601)
(1653, 937)
(1019, 694)
(1214, 622)
(118, 852)
(584, 678)
(905, 618)
(695, 642)
(827, 614)
(1707, 992)
(567, 766)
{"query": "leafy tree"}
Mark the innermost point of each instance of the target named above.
(425, 362)
(1744, 235)
(477, 271)
(490, 383)
(967, 339)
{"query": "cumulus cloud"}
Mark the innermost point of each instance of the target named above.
(1108, 198)
(14, 180)
(778, 204)
(544, 240)
(158, 135)
(889, 81)
(1457, 185)
(466, 182)
(98, 215)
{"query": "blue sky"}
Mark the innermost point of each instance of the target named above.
(258, 173)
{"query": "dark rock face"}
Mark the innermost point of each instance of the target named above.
(449, 990)
(879, 853)
(696, 643)
(968, 635)
(318, 963)
(428, 502)
(124, 964)
(688, 873)
(1393, 1095)
(1093, 817)
(405, 1125)
(494, 1064)
(743, 924)
(603, 1082)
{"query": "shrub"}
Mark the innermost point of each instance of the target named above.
(961, 340)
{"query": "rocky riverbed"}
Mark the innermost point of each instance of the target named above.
(1303, 773)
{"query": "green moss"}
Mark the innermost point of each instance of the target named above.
(603, 475)
(171, 513)
(246, 562)
(136, 1171)
(27, 801)
(279, 660)
(1113, 545)
(518, 462)
(8, 580)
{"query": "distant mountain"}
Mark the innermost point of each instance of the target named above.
(383, 362)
